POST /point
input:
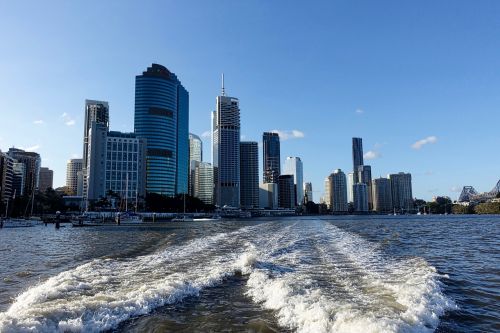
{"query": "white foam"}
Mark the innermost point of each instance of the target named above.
(100, 294)
(350, 287)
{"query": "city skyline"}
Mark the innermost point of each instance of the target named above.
(410, 122)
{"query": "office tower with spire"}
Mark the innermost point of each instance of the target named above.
(162, 118)
(226, 150)
(357, 156)
(293, 166)
(249, 174)
(271, 157)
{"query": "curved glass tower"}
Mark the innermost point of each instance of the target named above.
(162, 117)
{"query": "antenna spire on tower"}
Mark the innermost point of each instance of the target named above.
(223, 91)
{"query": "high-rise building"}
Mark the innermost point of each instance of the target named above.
(18, 178)
(116, 162)
(32, 163)
(360, 193)
(271, 157)
(382, 195)
(226, 150)
(162, 118)
(293, 166)
(327, 198)
(98, 112)
(286, 191)
(6, 177)
(268, 195)
(357, 156)
(350, 183)
(402, 198)
(337, 186)
(308, 192)
(195, 155)
(249, 174)
(365, 177)
(46, 179)
(204, 182)
(73, 166)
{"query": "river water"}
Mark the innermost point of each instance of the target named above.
(296, 274)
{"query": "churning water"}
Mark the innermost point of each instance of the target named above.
(336, 274)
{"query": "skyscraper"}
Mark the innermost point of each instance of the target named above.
(365, 177)
(226, 150)
(360, 193)
(271, 157)
(308, 192)
(6, 177)
(402, 198)
(293, 166)
(249, 174)
(357, 156)
(98, 112)
(268, 195)
(350, 183)
(204, 182)
(337, 186)
(162, 117)
(46, 179)
(382, 195)
(32, 163)
(73, 166)
(286, 191)
(195, 155)
(117, 163)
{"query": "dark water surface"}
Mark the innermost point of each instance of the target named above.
(300, 274)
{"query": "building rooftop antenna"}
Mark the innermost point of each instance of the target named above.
(223, 90)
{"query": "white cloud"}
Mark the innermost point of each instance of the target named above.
(286, 135)
(39, 122)
(456, 189)
(243, 137)
(359, 111)
(430, 139)
(371, 155)
(75, 155)
(206, 134)
(68, 120)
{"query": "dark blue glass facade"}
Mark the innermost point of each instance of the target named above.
(162, 117)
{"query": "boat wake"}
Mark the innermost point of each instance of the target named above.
(314, 276)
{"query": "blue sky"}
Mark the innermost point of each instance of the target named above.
(391, 72)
